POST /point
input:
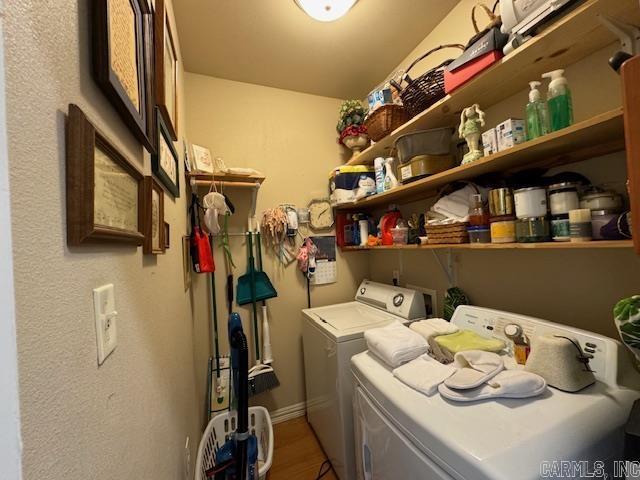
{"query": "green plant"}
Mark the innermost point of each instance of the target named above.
(627, 317)
(352, 113)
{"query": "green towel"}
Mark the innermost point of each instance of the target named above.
(467, 340)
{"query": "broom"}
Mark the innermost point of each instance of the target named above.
(262, 377)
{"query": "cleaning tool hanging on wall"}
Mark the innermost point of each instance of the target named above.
(267, 356)
(200, 247)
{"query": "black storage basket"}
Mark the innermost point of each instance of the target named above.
(422, 92)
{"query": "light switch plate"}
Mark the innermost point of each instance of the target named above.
(104, 305)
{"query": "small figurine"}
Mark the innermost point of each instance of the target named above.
(471, 120)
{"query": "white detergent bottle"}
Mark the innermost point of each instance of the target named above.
(390, 180)
(559, 101)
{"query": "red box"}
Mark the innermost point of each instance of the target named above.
(461, 75)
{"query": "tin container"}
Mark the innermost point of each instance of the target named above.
(533, 229)
(599, 218)
(563, 197)
(530, 202)
(479, 234)
(501, 202)
(580, 225)
(503, 230)
(602, 201)
(560, 229)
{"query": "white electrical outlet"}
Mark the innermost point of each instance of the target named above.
(104, 306)
(187, 460)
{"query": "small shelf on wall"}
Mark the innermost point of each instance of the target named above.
(571, 38)
(594, 137)
(198, 179)
(502, 246)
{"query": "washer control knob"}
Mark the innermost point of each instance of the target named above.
(398, 299)
(362, 290)
(512, 330)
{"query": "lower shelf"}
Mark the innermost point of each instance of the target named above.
(503, 246)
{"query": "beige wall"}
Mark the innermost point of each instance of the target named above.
(290, 137)
(129, 417)
(573, 287)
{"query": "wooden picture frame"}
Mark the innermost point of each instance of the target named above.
(104, 190)
(166, 69)
(167, 236)
(153, 217)
(121, 61)
(165, 162)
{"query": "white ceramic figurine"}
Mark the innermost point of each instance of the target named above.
(471, 120)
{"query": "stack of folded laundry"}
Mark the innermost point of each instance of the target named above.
(395, 344)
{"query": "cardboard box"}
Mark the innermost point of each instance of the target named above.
(490, 142)
(510, 133)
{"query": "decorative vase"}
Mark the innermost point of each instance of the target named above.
(356, 143)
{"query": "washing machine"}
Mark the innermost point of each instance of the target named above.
(331, 335)
(401, 433)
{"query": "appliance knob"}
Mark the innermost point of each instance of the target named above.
(513, 330)
(362, 290)
(398, 299)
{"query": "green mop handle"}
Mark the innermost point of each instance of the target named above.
(253, 293)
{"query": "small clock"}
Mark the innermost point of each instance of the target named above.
(320, 214)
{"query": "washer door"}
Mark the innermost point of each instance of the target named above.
(383, 452)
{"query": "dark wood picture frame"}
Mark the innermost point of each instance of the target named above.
(150, 186)
(82, 140)
(135, 117)
(163, 135)
(167, 236)
(162, 35)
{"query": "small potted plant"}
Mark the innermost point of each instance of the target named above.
(353, 133)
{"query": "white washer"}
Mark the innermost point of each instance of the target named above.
(401, 433)
(331, 335)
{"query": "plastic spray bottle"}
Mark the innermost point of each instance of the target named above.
(559, 100)
(537, 114)
(390, 180)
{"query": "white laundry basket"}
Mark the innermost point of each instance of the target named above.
(222, 426)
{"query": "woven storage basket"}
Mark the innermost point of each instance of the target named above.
(449, 233)
(422, 92)
(385, 120)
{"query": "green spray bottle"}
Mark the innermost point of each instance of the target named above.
(537, 114)
(559, 100)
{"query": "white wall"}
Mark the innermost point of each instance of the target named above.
(10, 445)
(128, 418)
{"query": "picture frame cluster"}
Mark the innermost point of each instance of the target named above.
(135, 64)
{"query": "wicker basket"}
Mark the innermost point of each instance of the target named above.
(422, 92)
(385, 120)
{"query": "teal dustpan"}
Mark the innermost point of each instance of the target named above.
(263, 287)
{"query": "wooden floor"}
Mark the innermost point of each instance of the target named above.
(297, 454)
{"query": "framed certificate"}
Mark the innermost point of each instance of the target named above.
(166, 69)
(104, 191)
(153, 217)
(122, 36)
(164, 162)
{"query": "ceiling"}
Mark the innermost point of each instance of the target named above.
(274, 43)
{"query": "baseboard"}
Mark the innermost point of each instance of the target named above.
(288, 413)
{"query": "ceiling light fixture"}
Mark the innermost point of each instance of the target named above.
(326, 10)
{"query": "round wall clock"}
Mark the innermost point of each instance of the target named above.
(320, 214)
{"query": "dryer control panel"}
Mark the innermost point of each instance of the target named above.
(403, 302)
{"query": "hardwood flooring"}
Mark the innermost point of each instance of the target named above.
(297, 455)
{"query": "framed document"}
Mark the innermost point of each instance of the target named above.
(104, 191)
(121, 36)
(153, 217)
(202, 159)
(166, 72)
(165, 161)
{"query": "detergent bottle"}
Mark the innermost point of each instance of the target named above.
(559, 100)
(387, 222)
(537, 114)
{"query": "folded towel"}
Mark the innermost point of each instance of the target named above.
(395, 344)
(474, 367)
(467, 340)
(424, 374)
(433, 327)
(507, 384)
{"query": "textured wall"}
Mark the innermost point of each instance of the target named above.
(290, 137)
(127, 419)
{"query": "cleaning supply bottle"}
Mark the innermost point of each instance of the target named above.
(378, 165)
(537, 114)
(390, 180)
(559, 100)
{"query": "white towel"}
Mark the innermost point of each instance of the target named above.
(432, 327)
(395, 344)
(424, 374)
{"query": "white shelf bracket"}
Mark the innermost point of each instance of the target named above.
(448, 269)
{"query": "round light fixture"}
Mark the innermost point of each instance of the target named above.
(326, 10)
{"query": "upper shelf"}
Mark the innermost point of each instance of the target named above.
(564, 42)
(597, 136)
(200, 179)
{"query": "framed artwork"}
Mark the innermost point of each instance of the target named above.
(121, 60)
(167, 236)
(187, 156)
(164, 162)
(104, 190)
(153, 217)
(202, 159)
(166, 72)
